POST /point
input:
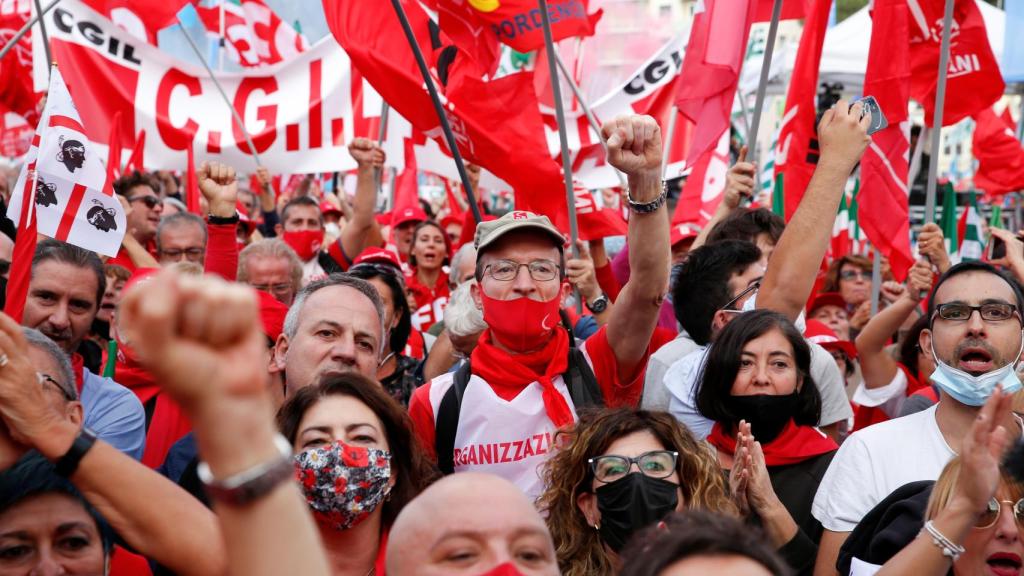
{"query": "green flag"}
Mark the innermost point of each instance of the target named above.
(948, 221)
(779, 198)
(996, 219)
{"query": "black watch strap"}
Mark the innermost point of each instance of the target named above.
(68, 463)
(217, 220)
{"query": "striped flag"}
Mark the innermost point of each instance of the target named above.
(842, 237)
(948, 221)
(973, 245)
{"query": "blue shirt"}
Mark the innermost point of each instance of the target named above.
(114, 413)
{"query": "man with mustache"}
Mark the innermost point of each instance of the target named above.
(64, 296)
(975, 336)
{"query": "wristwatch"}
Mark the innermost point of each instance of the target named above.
(252, 484)
(67, 464)
(221, 220)
(647, 207)
(600, 304)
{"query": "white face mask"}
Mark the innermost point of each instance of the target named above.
(332, 229)
(975, 390)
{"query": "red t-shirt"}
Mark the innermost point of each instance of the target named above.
(430, 301)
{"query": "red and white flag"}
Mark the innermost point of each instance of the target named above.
(883, 199)
(69, 196)
(255, 34)
(797, 151)
(711, 69)
(594, 221)
(999, 153)
(704, 188)
(974, 81)
(140, 18)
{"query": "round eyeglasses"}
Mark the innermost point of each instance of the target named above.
(656, 464)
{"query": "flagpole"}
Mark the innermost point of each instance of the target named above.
(876, 281)
(381, 134)
(670, 135)
(42, 32)
(24, 29)
(438, 107)
(220, 38)
(940, 102)
(762, 84)
(213, 77)
(591, 119)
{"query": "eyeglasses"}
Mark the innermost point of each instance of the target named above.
(150, 201)
(46, 378)
(990, 311)
(730, 305)
(275, 289)
(378, 269)
(191, 254)
(990, 516)
(507, 270)
(854, 274)
(656, 464)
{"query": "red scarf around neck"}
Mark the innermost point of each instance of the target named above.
(501, 369)
(793, 445)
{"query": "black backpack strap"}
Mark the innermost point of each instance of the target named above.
(581, 382)
(447, 423)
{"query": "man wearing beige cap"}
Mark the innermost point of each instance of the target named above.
(526, 378)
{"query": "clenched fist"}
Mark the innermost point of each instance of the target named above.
(219, 186)
(634, 144)
(366, 153)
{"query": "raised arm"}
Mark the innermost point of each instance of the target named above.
(362, 229)
(877, 365)
(219, 185)
(634, 148)
(842, 136)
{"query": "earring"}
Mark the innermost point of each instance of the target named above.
(597, 526)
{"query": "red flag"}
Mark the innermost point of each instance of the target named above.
(883, 198)
(454, 208)
(255, 35)
(496, 122)
(596, 222)
(113, 153)
(999, 153)
(973, 82)
(791, 10)
(192, 183)
(24, 250)
(797, 152)
(711, 69)
(142, 18)
(702, 192)
(478, 26)
(407, 188)
(135, 161)
(16, 94)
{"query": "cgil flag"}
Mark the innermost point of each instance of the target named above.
(704, 188)
(255, 35)
(973, 81)
(71, 203)
(884, 196)
(999, 153)
(972, 247)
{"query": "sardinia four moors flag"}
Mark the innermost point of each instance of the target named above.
(973, 244)
(70, 200)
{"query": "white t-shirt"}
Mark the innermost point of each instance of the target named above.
(873, 462)
(656, 396)
(890, 398)
(681, 382)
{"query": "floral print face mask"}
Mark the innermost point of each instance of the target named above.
(343, 484)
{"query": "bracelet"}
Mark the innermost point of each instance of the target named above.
(647, 207)
(67, 464)
(253, 483)
(949, 549)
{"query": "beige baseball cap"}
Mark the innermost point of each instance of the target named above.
(488, 233)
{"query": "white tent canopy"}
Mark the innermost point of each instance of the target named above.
(845, 55)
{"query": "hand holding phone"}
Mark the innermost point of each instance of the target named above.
(870, 106)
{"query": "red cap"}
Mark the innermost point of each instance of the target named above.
(375, 255)
(819, 333)
(826, 299)
(683, 231)
(410, 214)
(272, 313)
(449, 219)
(328, 208)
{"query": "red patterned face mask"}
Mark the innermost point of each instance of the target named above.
(306, 243)
(343, 484)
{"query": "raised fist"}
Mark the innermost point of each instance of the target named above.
(634, 144)
(367, 153)
(219, 186)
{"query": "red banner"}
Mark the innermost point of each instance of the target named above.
(999, 153)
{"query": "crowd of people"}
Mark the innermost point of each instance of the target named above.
(293, 384)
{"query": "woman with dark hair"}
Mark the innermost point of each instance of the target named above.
(698, 542)
(618, 471)
(428, 281)
(358, 465)
(46, 526)
(396, 371)
(756, 386)
(888, 383)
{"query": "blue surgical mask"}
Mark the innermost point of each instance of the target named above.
(975, 390)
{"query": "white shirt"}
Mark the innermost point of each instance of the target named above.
(890, 398)
(682, 378)
(312, 270)
(873, 462)
(656, 396)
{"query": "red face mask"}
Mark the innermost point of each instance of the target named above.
(306, 243)
(506, 569)
(521, 324)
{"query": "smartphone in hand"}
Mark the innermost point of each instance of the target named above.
(870, 106)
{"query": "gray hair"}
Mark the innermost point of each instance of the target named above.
(176, 203)
(291, 319)
(177, 220)
(461, 316)
(467, 250)
(270, 248)
(67, 376)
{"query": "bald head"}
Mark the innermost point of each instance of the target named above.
(470, 523)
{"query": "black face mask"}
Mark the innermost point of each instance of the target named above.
(631, 504)
(767, 414)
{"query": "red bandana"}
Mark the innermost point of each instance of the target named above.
(793, 445)
(516, 371)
